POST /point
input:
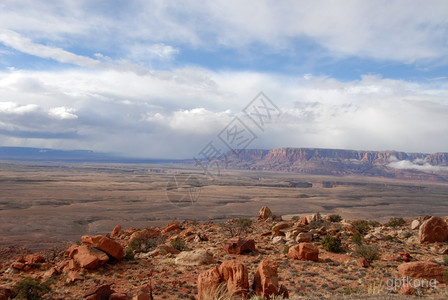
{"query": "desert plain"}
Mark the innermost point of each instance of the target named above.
(43, 204)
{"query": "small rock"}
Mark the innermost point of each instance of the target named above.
(116, 231)
(363, 263)
(278, 240)
(415, 224)
(407, 289)
(118, 296)
(304, 237)
(405, 256)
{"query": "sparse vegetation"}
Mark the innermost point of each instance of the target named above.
(332, 244)
(395, 222)
(179, 244)
(362, 226)
(31, 288)
(369, 252)
(335, 218)
(356, 239)
(141, 244)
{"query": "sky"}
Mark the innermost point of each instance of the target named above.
(164, 79)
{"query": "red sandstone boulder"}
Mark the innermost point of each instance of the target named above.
(264, 213)
(89, 258)
(421, 269)
(208, 283)
(237, 278)
(104, 244)
(239, 245)
(434, 229)
(173, 226)
(266, 280)
(32, 259)
(231, 273)
(101, 292)
(116, 231)
(304, 251)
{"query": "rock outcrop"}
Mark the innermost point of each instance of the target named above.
(104, 244)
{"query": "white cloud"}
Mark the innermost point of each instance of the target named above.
(62, 113)
(414, 165)
(402, 30)
(14, 108)
(176, 113)
(25, 45)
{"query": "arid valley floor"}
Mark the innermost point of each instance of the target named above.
(43, 203)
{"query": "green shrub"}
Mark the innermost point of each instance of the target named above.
(141, 244)
(388, 237)
(362, 226)
(243, 223)
(369, 252)
(335, 218)
(396, 222)
(286, 250)
(374, 223)
(356, 239)
(179, 244)
(31, 288)
(332, 244)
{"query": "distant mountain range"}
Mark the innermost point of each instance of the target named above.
(45, 154)
(393, 164)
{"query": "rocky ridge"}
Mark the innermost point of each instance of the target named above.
(393, 164)
(306, 257)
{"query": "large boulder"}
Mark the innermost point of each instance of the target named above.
(239, 245)
(195, 258)
(264, 213)
(87, 257)
(104, 244)
(208, 283)
(304, 251)
(266, 280)
(231, 274)
(237, 278)
(434, 229)
(421, 269)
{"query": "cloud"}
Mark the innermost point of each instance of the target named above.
(175, 113)
(414, 165)
(62, 113)
(403, 31)
(14, 108)
(18, 42)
